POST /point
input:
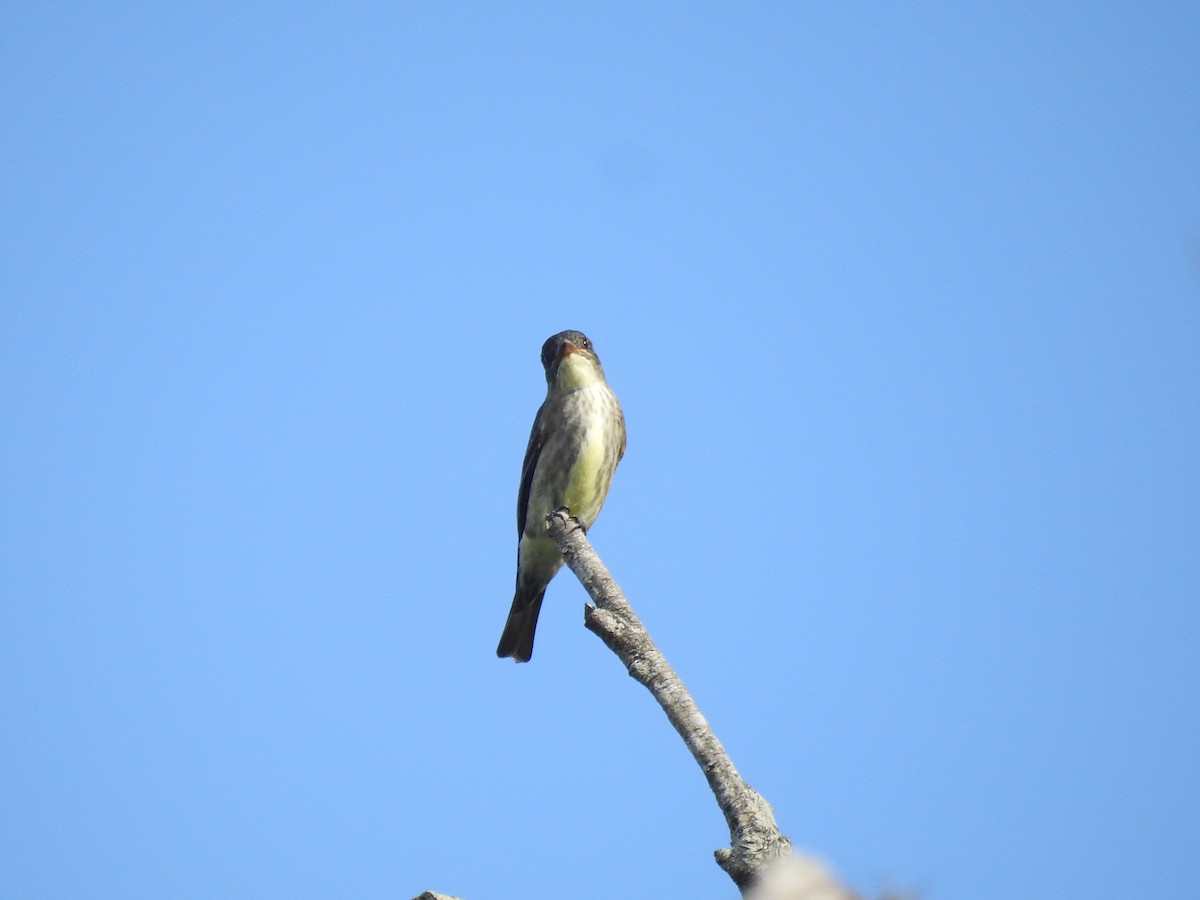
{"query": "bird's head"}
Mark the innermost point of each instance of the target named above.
(570, 362)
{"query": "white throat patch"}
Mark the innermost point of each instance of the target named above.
(577, 371)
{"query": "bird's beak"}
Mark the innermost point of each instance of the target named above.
(566, 349)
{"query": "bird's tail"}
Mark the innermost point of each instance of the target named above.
(517, 639)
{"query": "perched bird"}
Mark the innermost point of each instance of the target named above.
(577, 440)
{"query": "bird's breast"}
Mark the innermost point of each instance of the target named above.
(597, 457)
(586, 450)
(583, 493)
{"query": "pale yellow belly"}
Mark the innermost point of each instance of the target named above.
(583, 496)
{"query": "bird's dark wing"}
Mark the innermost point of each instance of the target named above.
(532, 452)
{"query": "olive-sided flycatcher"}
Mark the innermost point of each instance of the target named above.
(577, 440)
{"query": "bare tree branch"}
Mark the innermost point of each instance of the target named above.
(759, 859)
(755, 840)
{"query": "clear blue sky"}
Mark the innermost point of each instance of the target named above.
(903, 306)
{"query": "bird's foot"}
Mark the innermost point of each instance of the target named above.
(566, 512)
